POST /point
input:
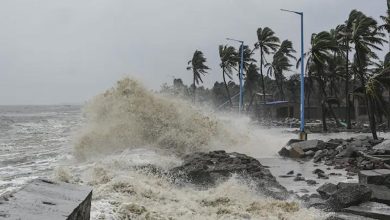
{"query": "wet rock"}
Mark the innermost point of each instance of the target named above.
(349, 151)
(385, 146)
(312, 145)
(339, 148)
(327, 190)
(317, 203)
(379, 182)
(317, 171)
(376, 177)
(296, 152)
(332, 145)
(311, 182)
(299, 178)
(349, 194)
(371, 210)
(47, 200)
(318, 156)
(309, 153)
(209, 169)
(285, 151)
(322, 176)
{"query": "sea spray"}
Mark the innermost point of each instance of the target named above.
(129, 116)
(128, 127)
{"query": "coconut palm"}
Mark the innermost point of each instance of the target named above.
(343, 37)
(267, 43)
(228, 56)
(386, 26)
(251, 82)
(281, 63)
(322, 45)
(366, 37)
(373, 92)
(248, 59)
(198, 67)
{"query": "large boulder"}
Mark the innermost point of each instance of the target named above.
(384, 146)
(313, 145)
(327, 190)
(208, 169)
(371, 210)
(297, 149)
(349, 194)
(379, 182)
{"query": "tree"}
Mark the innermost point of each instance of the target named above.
(251, 82)
(343, 38)
(198, 67)
(281, 63)
(366, 37)
(267, 43)
(228, 56)
(317, 58)
(386, 26)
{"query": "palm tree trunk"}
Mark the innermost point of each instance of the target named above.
(348, 104)
(371, 116)
(251, 100)
(323, 106)
(370, 109)
(226, 87)
(194, 90)
(261, 73)
(388, 117)
(324, 126)
(308, 103)
(281, 90)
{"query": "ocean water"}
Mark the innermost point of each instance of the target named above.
(32, 140)
(102, 143)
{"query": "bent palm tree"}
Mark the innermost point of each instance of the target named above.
(317, 58)
(198, 67)
(267, 43)
(228, 56)
(251, 82)
(386, 26)
(281, 63)
(366, 37)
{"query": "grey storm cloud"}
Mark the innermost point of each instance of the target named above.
(55, 51)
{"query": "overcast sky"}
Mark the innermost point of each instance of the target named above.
(54, 51)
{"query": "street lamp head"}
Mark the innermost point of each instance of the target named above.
(295, 12)
(235, 40)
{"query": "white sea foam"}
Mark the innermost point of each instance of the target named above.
(128, 126)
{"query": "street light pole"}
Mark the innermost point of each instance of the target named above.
(302, 134)
(241, 98)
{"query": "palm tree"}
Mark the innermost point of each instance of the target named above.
(251, 82)
(281, 63)
(342, 35)
(386, 26)
(198, 67)
(228, 56)
(267, 43)
(373, 92)
(366, 38)
(248, 60)
(317, 58)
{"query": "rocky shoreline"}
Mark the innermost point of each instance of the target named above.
(361, 156)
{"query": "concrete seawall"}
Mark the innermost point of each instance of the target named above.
(47, 200)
